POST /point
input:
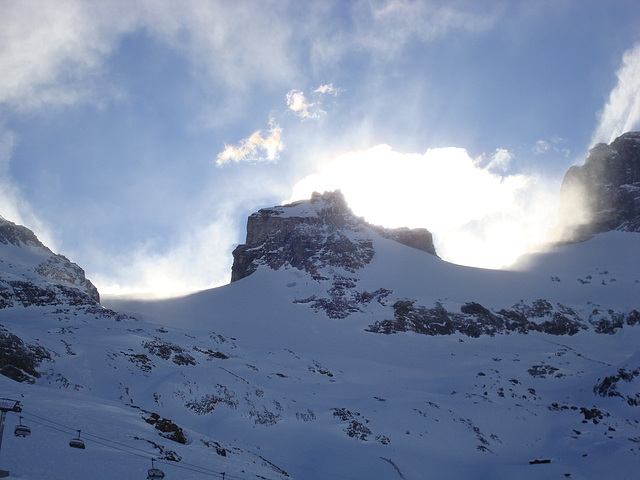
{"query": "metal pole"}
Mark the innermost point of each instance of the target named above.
(7, 405)
(4, 414)
(3, 473)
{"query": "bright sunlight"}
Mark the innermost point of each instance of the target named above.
(478, 217)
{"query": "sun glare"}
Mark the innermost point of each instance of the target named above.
(478, 218)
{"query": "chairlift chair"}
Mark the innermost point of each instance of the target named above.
(21, 430)
(154, 473)
(77, 442)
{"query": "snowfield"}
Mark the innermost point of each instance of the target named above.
(263, 378)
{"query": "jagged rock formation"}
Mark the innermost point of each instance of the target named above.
(475, 319)
(314, 233)
(32, 274)
(604, 193)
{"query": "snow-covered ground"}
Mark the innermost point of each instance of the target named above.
(264, 386)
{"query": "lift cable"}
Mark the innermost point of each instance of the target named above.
(53, 425)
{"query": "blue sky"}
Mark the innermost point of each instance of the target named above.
(136, 136)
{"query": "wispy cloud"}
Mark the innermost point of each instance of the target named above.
(255, 148)
(553, 146)
(328, 89)
(55, 53)
(305, 109)
(13, 206)
(622, 111)
(199, 259)
(540, 147)
(383, 27)
(48, 51)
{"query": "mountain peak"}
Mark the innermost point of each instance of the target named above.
(311, 234)
(33, 274)
(604, 193)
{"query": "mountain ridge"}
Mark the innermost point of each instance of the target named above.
(364, 359)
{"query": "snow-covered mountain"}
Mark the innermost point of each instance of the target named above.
(339, 350)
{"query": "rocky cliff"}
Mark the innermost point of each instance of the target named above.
(32, 274)
(604, 193)
(311, 234)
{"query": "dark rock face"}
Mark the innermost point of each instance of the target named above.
(475, 320)
(608, 386)
(309, 235)
(19, 360)
(604, 193)
(419, 238)
(12, 234)
(45, 278)
(17, 292)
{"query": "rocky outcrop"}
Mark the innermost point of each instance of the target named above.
(475, 319)
(19, 360)
(604, 193)
(33, 275)
(419, 238)
(315, 233)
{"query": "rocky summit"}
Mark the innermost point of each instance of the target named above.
(311, 234)
(604, 193)
(31, 274)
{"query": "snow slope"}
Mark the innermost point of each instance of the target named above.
(257, 379)
(437, 406)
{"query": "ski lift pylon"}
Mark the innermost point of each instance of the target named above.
(21, 430)
(77, 442)
(154, 473)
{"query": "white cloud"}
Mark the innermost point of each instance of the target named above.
(477, 217)
(622, 111)
(298, 104)
(49, 51)
(255, 148)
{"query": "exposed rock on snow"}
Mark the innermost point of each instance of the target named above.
(475, 320)
(19, 360)
(624, 383)
(343, 298)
